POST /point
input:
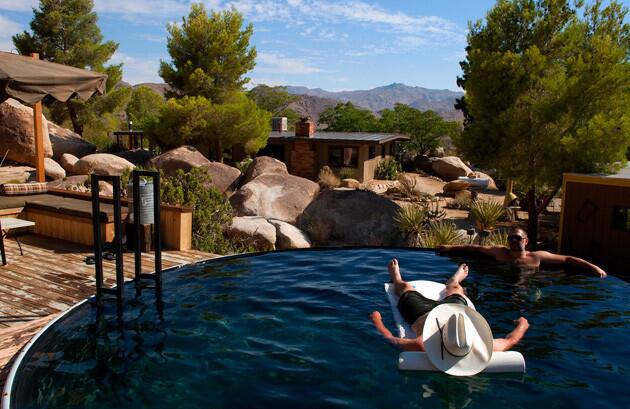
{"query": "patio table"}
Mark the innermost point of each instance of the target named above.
(11, 224)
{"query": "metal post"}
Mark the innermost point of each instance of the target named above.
(98, 246)
(120, 277)
(136, 221)
(156, 235)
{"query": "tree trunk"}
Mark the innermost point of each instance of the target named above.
(532, 222)
(218, 150)
(78, 128)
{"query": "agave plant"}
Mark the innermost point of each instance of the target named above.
(439, 233)
(411, 219)
(497, 238)
(486, 214)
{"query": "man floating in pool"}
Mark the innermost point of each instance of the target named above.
(415, 308)
(517, 255)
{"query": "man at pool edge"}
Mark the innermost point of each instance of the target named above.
(415, 308)
(517, 255)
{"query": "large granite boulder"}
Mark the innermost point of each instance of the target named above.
(254, 231)
(289, 237)
(138, 157)
(65, 141)
(351, 218)
(274, 196)
(17, 131)
(262, 165)
(450, 168)
(102, 164)
(224, 177)
(455, 186)
(53, 170)
(67, 162)
(184, 157)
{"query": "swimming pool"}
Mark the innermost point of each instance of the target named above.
(291, 329)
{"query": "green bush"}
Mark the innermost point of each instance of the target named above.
(388, 169)
(244, 164)
(486, 214)
(439, 233)
(212, 211)
(347, 173)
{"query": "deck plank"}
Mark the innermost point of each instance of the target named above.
(51, 277)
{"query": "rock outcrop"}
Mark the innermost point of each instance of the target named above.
(264, 165)
(350, 217)
(102, 164)
(450, 168)
(65, 141)
(289, 237)
(455, 186)
(53, 170)
(350, 183)
(17, 131)
(224, 177)
(67, 162)
(274, 196)
(254, 231)
(184, 157)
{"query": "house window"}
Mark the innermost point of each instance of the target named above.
(621, 218)
(339, 157)
(372, 152)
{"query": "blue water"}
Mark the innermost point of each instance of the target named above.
(291, 329)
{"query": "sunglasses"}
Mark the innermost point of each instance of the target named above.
(515, 237)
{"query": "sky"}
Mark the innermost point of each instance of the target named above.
(334, 45)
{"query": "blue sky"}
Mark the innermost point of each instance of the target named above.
(335, 45)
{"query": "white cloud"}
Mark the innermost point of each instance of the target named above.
(272, 82)
(153, 38)
(7, 29)
(137, 70)
(18, 5)
(279, 64)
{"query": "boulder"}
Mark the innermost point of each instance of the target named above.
(65, 141)
(254, 231)
(102, 164)
(450, 168)
(105, 189)
(224, 177)
(351, 218)
(74, 183)
(274, 196)
(289, 237)
(264, 164)
(455, 186)
(481, 175)
(53, 169)
(423, 163)
(351, 183)
(184, 157)
(138, 157)
(17, 133)
(67, 161)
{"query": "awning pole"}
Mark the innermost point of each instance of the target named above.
(39, 137)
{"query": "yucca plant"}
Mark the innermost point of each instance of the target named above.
(486, 214)
(411, 220)
(498, 238)
(439, 233)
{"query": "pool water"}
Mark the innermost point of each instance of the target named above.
(291, 329)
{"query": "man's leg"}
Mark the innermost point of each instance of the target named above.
(394, 273)
(453, 285)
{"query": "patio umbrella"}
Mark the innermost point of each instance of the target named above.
(30, 80)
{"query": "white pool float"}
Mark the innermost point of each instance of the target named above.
(476, 182)
(508, 361)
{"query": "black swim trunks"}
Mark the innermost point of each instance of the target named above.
(412, 305)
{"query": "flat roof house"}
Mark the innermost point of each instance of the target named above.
(306, 151)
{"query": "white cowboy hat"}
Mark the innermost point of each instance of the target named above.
(457, 339)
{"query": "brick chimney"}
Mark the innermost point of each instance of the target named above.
(305, 127)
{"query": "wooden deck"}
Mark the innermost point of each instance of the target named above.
(49, 278)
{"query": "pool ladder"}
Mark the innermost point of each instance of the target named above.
(139, 277)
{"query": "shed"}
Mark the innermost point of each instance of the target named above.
(595, 219)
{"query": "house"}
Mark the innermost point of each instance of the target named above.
(306, 151)
(595, 219)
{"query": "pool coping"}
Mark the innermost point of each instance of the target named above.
(8, 384)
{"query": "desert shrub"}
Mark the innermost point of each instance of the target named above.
(497, 238)
(388, 169)
(212, 211)
(244, 164)
(411, 219)
(461, 203)
(347, 173)
(439, 233)
(407, 184)
(327, 178)
(486, 214)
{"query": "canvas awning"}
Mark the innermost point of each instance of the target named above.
(30, 79)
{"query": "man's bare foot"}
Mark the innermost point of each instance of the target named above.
(460, 274)
(394, 271)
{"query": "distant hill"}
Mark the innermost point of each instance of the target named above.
(377, 99)
(160, 88)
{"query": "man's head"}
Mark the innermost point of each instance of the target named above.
(517, 239)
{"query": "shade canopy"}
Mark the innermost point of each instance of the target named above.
(30, 80)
